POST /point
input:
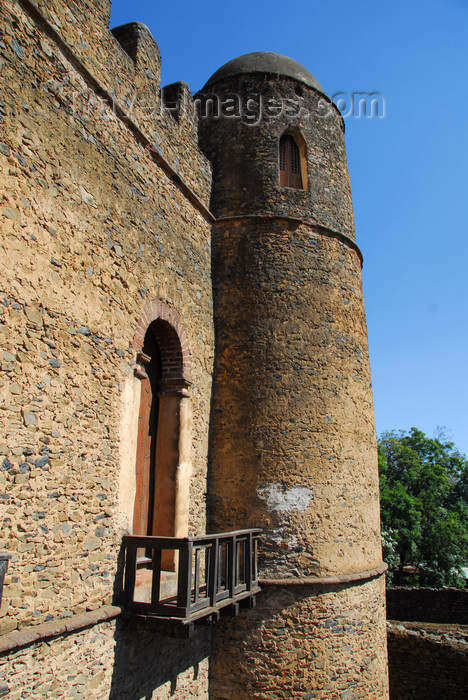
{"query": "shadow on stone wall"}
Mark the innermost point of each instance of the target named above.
(145, 662)
(426, 666)
(427, 648)
(445, 605)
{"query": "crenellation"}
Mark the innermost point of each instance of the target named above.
(137, 41)
(133, 88)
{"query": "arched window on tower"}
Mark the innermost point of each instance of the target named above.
(292, 170)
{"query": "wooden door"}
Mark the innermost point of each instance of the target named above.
(146, 440)
(143, 464)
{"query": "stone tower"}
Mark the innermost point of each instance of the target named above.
(292, 435)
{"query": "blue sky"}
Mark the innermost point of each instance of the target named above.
(409, 169)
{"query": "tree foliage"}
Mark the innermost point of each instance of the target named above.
(424, 508)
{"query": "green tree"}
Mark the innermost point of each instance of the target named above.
(424, 508)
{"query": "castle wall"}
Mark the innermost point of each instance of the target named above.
(130, 77)
(445, 605)
(426, 663)
(99, 236)
(111, 660)
(106, 228)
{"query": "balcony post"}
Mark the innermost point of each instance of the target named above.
(184, 579)
(130, 572)
(213, 571)
(232, 558)
(156, 580)
(248, 561)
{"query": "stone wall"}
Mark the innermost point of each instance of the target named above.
(304, 643)
(97, 233)
(131, 79)
(106, 227)
(426, 664)
(113, 660)
(445, 605)
(428, 650)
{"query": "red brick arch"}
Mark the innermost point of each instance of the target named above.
(171, 337)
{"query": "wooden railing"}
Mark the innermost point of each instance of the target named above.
(211, 572)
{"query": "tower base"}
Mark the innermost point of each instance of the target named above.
(305, 643)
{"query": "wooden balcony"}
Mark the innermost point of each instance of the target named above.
(210, 574)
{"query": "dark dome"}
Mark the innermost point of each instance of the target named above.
(265, 62)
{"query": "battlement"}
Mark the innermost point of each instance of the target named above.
(137, 41)
(123, 64)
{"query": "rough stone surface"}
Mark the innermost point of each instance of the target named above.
(445, 605)
(289, 418)
(109, 661)
(106, 227)
(426, 662)
(290, 646)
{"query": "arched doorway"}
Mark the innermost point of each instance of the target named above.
(163, 463)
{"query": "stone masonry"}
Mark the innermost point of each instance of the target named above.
(122, 208)
(293, 427)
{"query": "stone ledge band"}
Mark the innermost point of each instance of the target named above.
(327, 580)
(322, 230)
(55, 628)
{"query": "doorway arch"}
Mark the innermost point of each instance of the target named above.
(163, 460)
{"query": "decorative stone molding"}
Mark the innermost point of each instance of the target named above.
(172, 339)
(54, 628)
(118, 109)
(327, 580)
(321, 230)
(173, 465)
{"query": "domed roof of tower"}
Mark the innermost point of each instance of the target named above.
(265, 62)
